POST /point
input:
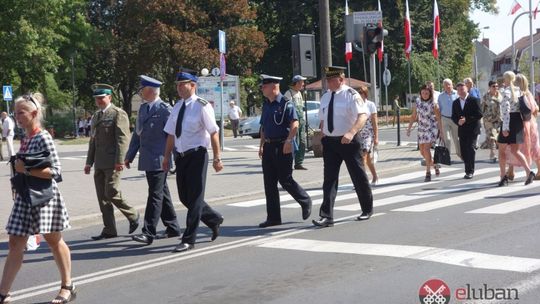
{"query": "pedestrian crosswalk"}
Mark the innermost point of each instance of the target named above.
(408, 193)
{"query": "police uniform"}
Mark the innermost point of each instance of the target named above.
(107, 147)
(191, 123)
(339, 112)
(149, 140)
(298, 100)
(276, 119)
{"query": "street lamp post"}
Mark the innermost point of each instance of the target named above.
(72, 60)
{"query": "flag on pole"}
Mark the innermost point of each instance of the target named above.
(348, 45)
(380, 50)
(408, 32)
(514, 8)
(536, 9)
(436, 30)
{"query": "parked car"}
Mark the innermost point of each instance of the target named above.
(251, 126)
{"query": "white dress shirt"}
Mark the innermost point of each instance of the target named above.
(197, 125)
(347, 106)
(235, 112)
(8, 127)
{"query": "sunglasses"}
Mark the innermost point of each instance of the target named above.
(31, 99)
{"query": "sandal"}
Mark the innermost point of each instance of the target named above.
(437, 171)
(5, 299)
(72, 295)
(428, 177)
(510, 177)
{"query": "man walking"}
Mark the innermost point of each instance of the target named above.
(342, 114)
(294, 94)
(192, 128)
(279, 123)
(149, 140)
(106, 150)
(450, 129)
(234, 116)
(8, 132)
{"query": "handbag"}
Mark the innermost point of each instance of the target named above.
(34, 190)
(524, 109)
(442, 155)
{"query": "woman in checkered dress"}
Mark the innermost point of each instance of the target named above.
(48, 220)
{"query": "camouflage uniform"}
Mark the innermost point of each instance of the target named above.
(491, 109)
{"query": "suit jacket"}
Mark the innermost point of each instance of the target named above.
(472, 113)
(109, 138)
(149, 138)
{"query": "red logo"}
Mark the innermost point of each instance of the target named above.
(434, 291)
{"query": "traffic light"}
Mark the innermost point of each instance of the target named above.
(373, 36)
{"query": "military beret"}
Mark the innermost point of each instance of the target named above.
(101, 89)
(334, 71)
(270, 79)
(147, 81)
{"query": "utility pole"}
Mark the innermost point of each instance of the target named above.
(326, 47)
(72, 59)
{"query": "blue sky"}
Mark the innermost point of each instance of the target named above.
(500, 26)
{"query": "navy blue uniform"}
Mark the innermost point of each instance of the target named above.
(276, 119)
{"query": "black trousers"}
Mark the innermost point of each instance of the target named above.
(159, 205)
(191, 181)
(334, 153)
(467, 145)
(278, 167)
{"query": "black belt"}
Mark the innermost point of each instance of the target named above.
(275, 140)
(190, 151)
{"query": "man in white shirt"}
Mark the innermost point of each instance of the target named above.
(8, 132)
(234, 116)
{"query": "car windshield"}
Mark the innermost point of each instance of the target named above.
(312, 105)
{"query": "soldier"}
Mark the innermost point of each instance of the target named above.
(295, 95)
(192, 128)
(149, 140)
(342, 114)
(279, 123)
(108, 142)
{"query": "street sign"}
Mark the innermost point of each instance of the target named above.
(8, 93)
(386, 77)
(367, 17)
(222, 44)
(215, 72)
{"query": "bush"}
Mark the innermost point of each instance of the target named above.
(62, 125)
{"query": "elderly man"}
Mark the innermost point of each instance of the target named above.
(450, 129)
(8, 132)
(149, 140)
(234, 116)
(342, 115)
(295, 95)
(473, 91)
(191, 128)
(109, 137)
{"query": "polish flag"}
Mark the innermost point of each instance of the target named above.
(536, 9)
(436, 30)
(514, 8)
(408, 32)
(380, 50)
(348, 45)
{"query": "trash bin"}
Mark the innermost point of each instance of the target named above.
(316, 143)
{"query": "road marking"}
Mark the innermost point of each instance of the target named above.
(229, 149)
(455, 257)
(508, 207)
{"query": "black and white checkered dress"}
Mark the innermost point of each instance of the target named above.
(25, 220)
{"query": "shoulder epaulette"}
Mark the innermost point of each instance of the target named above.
(202, 101)
(284, 98)
(352, 91)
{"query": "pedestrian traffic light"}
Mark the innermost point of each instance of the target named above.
(373, 36)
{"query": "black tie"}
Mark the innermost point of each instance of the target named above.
(331, 114)
(147, 108)
(179, 120)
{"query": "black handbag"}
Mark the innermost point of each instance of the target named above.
(34, 190)
(524, 109)
(441, 155)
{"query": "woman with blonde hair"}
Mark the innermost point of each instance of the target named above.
(49, 219)
(369, 134)
(511, 134)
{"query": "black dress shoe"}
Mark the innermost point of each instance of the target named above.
(268, 224)
(143, 238)
(530, 178)
(133, 225)
(468, 176)
(103, 236)
(306, 211)
(323, 222)
(299, 167)
(183, 247)
(215, 229)
(364, 216)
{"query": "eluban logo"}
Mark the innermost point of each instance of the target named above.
(486, 293)
(434, 291)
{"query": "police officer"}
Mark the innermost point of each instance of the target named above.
(279, 123)
(149, 140)
(342, 114)
(108, 143)
(192, 128)
(294, 94)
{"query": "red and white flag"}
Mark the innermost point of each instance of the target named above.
(348, 45)
(536, 9)
(380, 50)
(408, 32)
(514, 8)
(436, 30)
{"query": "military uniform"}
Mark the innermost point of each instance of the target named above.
(276, 118)
(298, 100)
(149, 140)
(107, 147)
(339, 112)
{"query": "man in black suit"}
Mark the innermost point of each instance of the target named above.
(466, 114)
